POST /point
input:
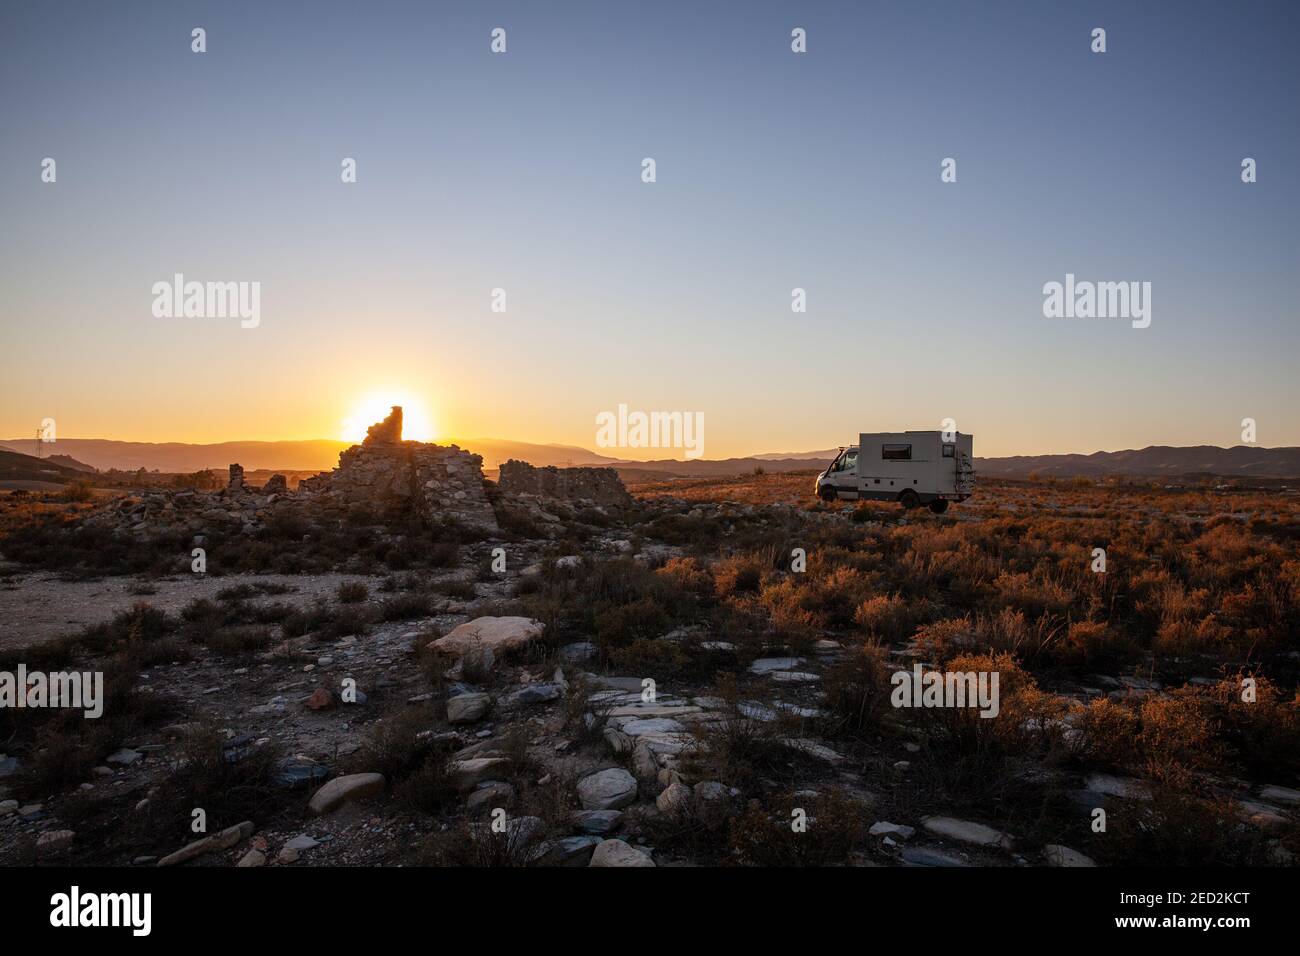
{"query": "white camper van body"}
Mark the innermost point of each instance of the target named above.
(913, 468)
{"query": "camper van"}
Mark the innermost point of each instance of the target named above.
(912, 468)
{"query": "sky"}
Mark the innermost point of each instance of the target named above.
(774, 170)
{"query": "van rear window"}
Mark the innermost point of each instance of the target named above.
(896, 452)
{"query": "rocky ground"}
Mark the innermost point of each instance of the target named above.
(550, 712)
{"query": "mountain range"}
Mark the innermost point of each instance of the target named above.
(1240, 461)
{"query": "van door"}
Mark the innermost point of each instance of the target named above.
(846, 475)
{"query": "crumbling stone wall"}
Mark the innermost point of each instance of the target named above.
(438, 482)
(601, 486)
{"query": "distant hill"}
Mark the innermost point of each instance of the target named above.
(15, 466)
(313, 455)
(1240, 461)
(181, 457)
(69, 462)
(715, 468)
(825, 454)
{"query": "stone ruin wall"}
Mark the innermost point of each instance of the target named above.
(599, 485)
(438, 481)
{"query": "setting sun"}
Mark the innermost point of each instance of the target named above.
(416, 423)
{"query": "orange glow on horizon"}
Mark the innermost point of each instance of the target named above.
(417, 425)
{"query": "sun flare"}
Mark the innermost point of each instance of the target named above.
(416, 423)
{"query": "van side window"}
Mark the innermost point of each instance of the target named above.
(949, 451)
(896, 452)
(850, 461)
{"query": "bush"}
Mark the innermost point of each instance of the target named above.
(766, 836)
(352, 592)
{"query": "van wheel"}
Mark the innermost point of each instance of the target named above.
(909, 499)
(827, 493)
(939, 505)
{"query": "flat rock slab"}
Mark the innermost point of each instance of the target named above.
(227, 838)
(631, 685)
(756, 711)
(598, 821)
(1126, 788)
(468, 774)
(607, 789)
(1261, 815)
(618, 853)
(925, 856)
(966, 831)
(672, 744)
(884, 828)
(654, 710)
(813, 749)
(765, 665)
(1280, 794)
(495, 633)
(1057, 855)
(343, 790)
(468, 708)
(794, 677)
(650, 725)
(532, 694)
(570, 851)
(52, 841)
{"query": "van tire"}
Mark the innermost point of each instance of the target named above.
(909, 499)
(939, 505)
(826, 493)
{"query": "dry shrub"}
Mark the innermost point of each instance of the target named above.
(969, 759)
(1178, 829)
(739, 752)
(230, 787)
(1033, 595)
(353, 592)
(663, 659)
(688, 574)
(738, 574)
(1109, 730)
(1262, 735)
(477, 845)
(1177, 737)
(885, 617)
(766, 836)
(1184, 635)
(857, 688)
(945, 639)
(616, 601)
(1094, 646)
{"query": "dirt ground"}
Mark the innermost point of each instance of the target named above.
(40, 606)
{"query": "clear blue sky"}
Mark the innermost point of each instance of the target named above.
(775, 170)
